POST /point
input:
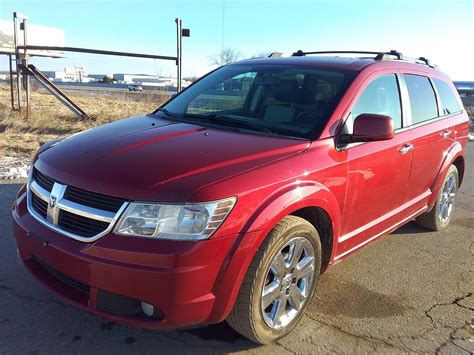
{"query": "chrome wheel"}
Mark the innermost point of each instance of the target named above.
(288, 283)
(446, 203)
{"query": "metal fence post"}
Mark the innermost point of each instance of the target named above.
(17, 59)
(12, 95)
(26, 78)
(179, 41)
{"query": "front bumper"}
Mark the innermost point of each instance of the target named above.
(187, 282)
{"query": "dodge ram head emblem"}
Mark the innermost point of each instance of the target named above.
(52, 201)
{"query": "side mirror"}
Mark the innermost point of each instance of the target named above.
(370, 127)
(173, 95)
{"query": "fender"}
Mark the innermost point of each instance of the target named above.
(291, 198)
(453, 152)
(283, 202)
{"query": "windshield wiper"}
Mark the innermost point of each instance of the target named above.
(212, 117)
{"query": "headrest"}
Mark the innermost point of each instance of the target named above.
(286, 91)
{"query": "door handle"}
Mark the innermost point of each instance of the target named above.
(406, 148)
(446, 133)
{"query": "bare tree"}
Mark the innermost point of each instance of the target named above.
(261, 55)
(226, 56)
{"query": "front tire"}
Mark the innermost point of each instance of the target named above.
(440, 215)
(279, 283)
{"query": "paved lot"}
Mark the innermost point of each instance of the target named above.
(409, 292)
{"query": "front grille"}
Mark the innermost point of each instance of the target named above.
(91, 199)
(83, 226)
(40, 206)
(78, 214)
(44, 181)
(83, 288)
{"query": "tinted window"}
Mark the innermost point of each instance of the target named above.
(449, 103)
(422, 98)
(382, 97)
(228, 95)
(270, 99)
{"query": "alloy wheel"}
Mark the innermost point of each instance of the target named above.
(288, 283)
(448, 195)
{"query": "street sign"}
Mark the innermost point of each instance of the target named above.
(37, 35)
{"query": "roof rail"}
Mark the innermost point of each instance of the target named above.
(275, 55)
(378, 55)
(426, 60)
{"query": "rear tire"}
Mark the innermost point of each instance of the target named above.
(440, 215)
(286, 266)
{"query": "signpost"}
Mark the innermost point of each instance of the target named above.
(37, 35)
(49, 42)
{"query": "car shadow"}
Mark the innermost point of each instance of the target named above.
(410, 228)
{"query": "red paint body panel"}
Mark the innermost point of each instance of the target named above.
(366, 190)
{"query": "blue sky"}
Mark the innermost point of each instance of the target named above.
(440, 30)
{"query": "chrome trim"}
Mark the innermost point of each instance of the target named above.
(62, 204)
(406, 148)
(39, 191)
(86, 211)
(446, 133)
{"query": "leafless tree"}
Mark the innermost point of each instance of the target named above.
(261, 55)
(226, 56)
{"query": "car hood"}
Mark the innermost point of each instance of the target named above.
(151, 159)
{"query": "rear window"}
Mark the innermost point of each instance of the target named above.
(449, 103)
(422, 98)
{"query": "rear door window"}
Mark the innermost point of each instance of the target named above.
(422, 98)
(449, 103)
(381, 97)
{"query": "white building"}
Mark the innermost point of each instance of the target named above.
(76, 74)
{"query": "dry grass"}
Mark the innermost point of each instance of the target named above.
(48, 118)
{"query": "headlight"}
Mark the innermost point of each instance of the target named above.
(176, 222)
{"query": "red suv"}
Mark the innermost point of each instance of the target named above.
(232, 198)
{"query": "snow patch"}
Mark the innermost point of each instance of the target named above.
(14, 168)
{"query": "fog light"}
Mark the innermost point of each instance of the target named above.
(148, 309)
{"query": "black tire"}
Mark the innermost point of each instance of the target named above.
(247, 316)
(432, 219)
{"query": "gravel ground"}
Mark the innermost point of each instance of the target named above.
(411, 291)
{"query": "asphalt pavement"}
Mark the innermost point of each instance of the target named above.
(411, 291)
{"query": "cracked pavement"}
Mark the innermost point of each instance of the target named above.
(409, 292)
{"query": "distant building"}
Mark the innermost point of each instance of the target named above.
(76, 74)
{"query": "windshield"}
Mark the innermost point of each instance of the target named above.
(274, 99)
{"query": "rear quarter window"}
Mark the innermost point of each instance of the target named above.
(449, 102)
(422, 98)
